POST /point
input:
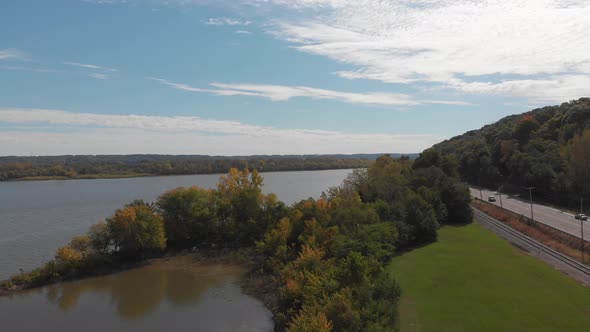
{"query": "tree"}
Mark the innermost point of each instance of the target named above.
(354, 270)
(525, 127)
(578, 160)
(189, 216)
(137, 228)
(421, 218)
(457, 200)
(100, 237)
(309, 319)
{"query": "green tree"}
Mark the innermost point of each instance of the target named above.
(189, 216)
(421, 217)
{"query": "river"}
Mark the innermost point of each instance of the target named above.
(38, 217)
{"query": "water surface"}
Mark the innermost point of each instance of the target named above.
(177, 294)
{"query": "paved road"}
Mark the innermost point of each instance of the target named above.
(561, 220)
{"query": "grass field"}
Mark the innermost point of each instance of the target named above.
(471, 280)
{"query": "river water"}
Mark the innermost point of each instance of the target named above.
(177, 295)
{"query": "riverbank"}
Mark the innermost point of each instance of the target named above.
(107, 176)
(244, 257)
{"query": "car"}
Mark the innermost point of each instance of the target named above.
(581, 216)
(492, 199)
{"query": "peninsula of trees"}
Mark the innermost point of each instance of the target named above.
(323, 259)
(114, 166)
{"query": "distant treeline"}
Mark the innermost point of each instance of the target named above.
(547, 148)
(87, 166)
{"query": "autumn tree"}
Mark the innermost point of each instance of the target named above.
(577, 155)
(137, 228)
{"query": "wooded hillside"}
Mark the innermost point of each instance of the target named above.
(547, 148)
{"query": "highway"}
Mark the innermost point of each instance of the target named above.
(561, 220)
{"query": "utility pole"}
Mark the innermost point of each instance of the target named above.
(582, 237)
(480, 194)
(500, 194)
(530, 189)
(582, 226)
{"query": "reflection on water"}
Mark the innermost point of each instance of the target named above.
(207, 295)
(137, 292)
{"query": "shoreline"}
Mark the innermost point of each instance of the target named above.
(139, 175)
(244, 257)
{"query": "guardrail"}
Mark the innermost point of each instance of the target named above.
(535, 223)
(551, 252)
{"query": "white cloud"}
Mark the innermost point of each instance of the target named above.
(12, 53)
(284, 93)
(89, 66)
(415, 41)
(99, 76)
(86, 133)
(227, 21)
(243, 32)
(553, 89)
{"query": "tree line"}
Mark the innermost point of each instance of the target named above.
(72, 167)
(324, 257)
(547, 148)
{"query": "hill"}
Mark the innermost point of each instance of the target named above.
(547, 148)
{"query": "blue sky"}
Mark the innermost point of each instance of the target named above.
(274, 76)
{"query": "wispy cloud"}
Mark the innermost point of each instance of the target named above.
(99, 76)
(243, 32)
(451, 43)
(552, 89)
(284, 93)
(12, 54)
(84, 133)
(89, 66)
(227, 21)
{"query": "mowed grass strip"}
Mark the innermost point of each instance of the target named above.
(472, 280)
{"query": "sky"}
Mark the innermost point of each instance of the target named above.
(246, 77)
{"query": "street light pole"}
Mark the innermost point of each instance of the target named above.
(500, 194)
(530, 189)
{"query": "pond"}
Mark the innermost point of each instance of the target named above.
(175, 294)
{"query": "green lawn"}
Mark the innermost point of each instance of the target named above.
(472, 280)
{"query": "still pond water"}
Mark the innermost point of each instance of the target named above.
(179, 295)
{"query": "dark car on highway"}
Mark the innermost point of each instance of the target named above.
(581, 216)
